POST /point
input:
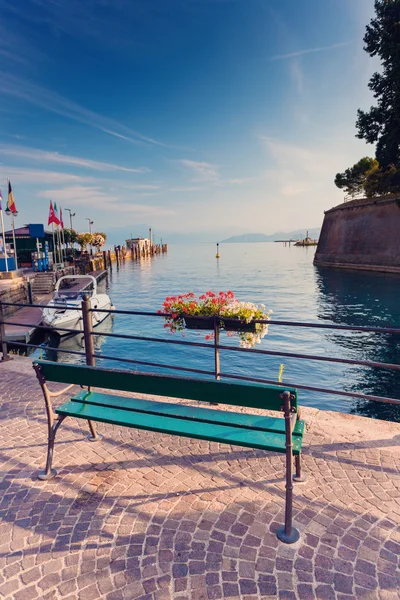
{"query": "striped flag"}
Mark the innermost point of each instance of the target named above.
(11, 208)
(57, 221)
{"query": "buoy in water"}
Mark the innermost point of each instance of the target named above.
(217, 255)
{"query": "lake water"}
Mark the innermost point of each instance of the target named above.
(285, 280)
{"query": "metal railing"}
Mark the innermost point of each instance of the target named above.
(91, 355)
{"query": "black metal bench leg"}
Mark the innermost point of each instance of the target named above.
(48, 472)
(288, 534)
(299, 477)
(94, 437)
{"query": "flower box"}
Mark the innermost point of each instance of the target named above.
(186, 311)
(226, 323)
(204, 323)
(230, 324)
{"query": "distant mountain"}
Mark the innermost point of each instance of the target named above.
(248, 237)
(280, 235)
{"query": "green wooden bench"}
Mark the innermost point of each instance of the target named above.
(275, 434)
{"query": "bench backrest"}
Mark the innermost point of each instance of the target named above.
(250, 395)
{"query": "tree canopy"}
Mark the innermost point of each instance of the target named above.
(70, 236)
(380, 125)
(84, 239)
(354, 179)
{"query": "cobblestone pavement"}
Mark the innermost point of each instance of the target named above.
(143, 515)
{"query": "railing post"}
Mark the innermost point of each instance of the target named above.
(216, 349)
(87, 331)
(288, 534)
(89, 351)
(4, 350)
(30, 295)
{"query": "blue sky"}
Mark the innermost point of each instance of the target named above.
(213, 117)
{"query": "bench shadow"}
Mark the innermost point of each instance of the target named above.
(117, 535)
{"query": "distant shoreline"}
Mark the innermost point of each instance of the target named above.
(293, 236)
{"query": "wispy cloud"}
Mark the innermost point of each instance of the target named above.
(297, 75)
(203, 171)
(186, 189)
(23, 175)
(309, 51)
(16, 49)
(295, 170)
(139, 186)
(238, 181)
(55, 157)
(53, 102)
(209, 173)
(97, 198)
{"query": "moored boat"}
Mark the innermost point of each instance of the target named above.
(64, 311)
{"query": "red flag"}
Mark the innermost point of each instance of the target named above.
(52, 216)
(61, 219)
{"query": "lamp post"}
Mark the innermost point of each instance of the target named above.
(90, 230)
(71, 214)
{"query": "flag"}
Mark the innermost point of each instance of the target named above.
(52, 216)
(61, 219)
(11, 202)
(57, 221)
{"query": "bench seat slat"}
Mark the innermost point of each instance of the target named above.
(170, 425)
(255, 422)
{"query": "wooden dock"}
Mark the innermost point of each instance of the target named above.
(30, 317)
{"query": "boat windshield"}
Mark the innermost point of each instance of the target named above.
(74, 289)
(70, 295)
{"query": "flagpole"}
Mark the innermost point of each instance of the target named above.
(62, 234)
(15, 244)
(59, 244)
(10, 210)
(63, 237)
(4, 237)
(60, 251)
(54, 246)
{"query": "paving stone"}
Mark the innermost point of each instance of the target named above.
(144, 515)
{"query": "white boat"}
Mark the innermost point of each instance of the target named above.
(60, 312)
(74, 343)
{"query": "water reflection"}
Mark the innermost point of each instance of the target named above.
(75, 343)
(364, 299)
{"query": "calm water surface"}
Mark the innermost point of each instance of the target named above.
(285, 280)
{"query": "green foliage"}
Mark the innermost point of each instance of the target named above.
(84, 239)
(354, 180)
(381, 124)
(71, 236)
(382, 181)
